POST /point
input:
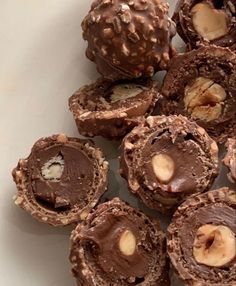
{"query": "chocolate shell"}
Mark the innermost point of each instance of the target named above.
(112, 109)
(201, 240)
(206, 22)
(129, 39)
(62, 179)
(201, 85)
(230, 159)
(167, 159)
(117, 246)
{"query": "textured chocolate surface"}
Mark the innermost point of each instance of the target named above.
(183, 18)
(61, 180)
(193, 153)
(215, 64)
(129, 39)
(110, 109)
(96, 256)
(216, 207)
(230, 158)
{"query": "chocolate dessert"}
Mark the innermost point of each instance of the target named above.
(230, 159)
(129, 39)
(201, 240)
(111, 109)
(117, 246)
(201, 85)
(62, 179)
(206, 22)
(167, 159)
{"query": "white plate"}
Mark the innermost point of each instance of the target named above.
(42, 63)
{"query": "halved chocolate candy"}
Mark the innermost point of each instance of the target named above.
(201, 240)
(111, 109)
(206, 22)
(167, 159)
(62, 179)
(201, 85)
(230, 159)
(118, 245)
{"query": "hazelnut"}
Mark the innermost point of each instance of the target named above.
(125, 91)
(163, 167)
(53, 169)
(209, 23)
(214, 246)
(203, 99)
(127, 243)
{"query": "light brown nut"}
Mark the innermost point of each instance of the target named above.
(125, 91)
(163, 167)
(203, 99)
(214, 246)
(127, 243)
(53, 169)
(209, 23)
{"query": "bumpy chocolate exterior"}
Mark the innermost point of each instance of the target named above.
(62, 179)
(96, 256)
(185, 27)
(216, 207)
(194, 157)
(213, 63)
(129, 38)
(230, 159)
(96, 112)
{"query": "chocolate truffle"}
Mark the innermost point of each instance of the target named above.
(230, 159)
(166, 159)
(201, 240)
(117, 246)
(201, 85)
(111, 109)
(129, 38)
(62, 179)
(206, 22)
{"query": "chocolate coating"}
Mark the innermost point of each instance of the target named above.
(193, 153)
(112, 109)
(96, 256)
(216, 207)
(215, 64)
(230, 159)
(129, 39)
(183, 17)
(62, 179)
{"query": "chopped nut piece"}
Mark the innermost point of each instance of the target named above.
(163, 167)
(209, 23)
(214, 245)
(203, 99)
(127, 243)
(53, 169)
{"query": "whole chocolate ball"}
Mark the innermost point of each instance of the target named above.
(129, 38)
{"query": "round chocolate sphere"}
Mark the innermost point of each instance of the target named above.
(129, 38)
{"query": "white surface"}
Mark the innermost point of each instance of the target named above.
(42, 63)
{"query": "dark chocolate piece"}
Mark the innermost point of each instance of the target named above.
(166, 159)
(62, 179)
(201, 240)
(129, 39)
(112, 109)
(118, 246)
(230, 159)
(201, 85)
(206, 22)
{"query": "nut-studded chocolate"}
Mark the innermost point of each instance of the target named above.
(201, 85)
(206, 22)
(230, 159)
(111, 109)
(129, 38)
(62, 179)
(201, 240)
(166, 159)
(119, 246)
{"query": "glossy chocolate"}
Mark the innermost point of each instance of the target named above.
(230, 159)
